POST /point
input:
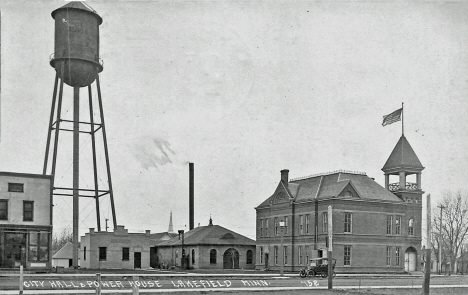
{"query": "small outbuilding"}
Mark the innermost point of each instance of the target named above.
(208, 247)
(64, 256)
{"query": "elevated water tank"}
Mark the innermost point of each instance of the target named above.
(76, 44)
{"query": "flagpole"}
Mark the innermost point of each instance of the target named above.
(402, 125)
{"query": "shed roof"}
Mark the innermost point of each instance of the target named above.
(66, 252)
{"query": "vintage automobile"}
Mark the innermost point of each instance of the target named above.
(317, 267)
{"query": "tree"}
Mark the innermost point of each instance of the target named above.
(454, 229)
(60, 239)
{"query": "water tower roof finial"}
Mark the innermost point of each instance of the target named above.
(77, 5)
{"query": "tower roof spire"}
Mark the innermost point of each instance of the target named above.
(402, 158)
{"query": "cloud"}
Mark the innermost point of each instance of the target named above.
(152, 152)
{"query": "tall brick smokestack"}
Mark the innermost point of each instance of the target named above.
(191, 197)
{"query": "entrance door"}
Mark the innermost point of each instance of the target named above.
(266, 260)
(15, 250)
(137, 259)
(410, 259)
(154, 259)
(231, 259)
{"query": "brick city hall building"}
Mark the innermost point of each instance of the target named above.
(375, 229)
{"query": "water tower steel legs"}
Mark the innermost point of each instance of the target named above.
(51, 120)
(106, 152)
(57, 127)
(93, 143)
(76, 172)
(57, 103)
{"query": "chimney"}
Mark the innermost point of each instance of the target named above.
(285, 176)
(191, 196)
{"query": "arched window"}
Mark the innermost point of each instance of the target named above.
(249, 256)
(213, 256)
(193, 256)
(411, 227)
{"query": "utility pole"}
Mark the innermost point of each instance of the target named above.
(281, 224)
(427, 274)
(107, 219)
(440, 239)
(182, 262)
(330, 248)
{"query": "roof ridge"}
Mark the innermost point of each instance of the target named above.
(329, 173)
(318, 188)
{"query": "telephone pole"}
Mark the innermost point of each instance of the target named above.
(427, 273)
(440, 239)
(330, 248)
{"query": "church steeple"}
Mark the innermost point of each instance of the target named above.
(403, 162)
(171, 228)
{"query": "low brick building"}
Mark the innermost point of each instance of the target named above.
(209, 247)
(375, 229)
(120, 249)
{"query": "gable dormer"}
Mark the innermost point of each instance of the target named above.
(285, 192)
(348, 191)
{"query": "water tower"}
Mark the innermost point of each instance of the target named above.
(76, 62)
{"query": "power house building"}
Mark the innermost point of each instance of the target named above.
(209, 247)
(120, 249)
(375, 228)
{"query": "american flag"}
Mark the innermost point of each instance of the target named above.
(392, 117)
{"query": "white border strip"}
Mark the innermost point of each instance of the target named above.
(126, 291)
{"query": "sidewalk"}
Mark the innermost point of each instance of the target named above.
(159, 273)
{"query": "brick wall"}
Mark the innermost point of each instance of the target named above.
(368, 237)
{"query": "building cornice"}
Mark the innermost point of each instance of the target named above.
(25, 175)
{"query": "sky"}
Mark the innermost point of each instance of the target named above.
(243, 89)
